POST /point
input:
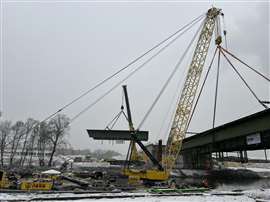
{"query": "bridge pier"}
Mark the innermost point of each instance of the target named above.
(243, 156)
(196, 160)
(220, 156)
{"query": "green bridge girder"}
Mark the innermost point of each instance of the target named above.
(233, 136)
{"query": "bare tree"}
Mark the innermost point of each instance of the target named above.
(57, 128)
(5, 130)
(32, 142)
(31, 137)
(16, 135)
(42, 142)
(29, 127)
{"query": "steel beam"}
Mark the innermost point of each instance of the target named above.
(117, 135)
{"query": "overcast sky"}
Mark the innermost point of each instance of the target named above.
(54, 51)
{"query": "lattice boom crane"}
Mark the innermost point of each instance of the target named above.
(184, 107)
(162, 170)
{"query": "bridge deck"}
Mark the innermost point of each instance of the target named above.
(248, 133)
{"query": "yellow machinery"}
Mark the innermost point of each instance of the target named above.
(184, 107)
(136, 175)
(4, 182)
(43, 185)
(43, 182)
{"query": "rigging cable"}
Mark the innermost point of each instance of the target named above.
(126, 118)
(129, 75)
(240, 76)
(216, 91)
(125, 67)
(169, 78)
(196, 102)
(256, 71)
(113, 121)
(201, 89)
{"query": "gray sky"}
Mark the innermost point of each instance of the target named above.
(54, 51)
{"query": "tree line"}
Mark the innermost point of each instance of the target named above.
(97, 154)
(20, 140)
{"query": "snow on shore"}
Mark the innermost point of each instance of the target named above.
(247, 196)
(178, 199)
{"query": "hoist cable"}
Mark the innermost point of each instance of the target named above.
(122, 102)
(201, 89)
(174, 100)
(256, 71)
(216, 91)
(125, 67)
(244, 81)
(129, 75)
(169, 79)
(224, 30)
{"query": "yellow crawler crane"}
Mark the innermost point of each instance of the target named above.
(184, 107)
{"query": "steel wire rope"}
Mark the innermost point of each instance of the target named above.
(244, 81)
(170, 108)
(125, 67)
(192, 23)
(216, 91)
(256, 71)
(201, 89)
(169, 78)
(129, 75)
(224, 30)
(113, 120)
(116, 120)
(200, 92)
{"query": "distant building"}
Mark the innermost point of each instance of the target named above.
(19, 152)
(33, 156)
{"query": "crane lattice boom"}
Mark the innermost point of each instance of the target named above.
(184, 107)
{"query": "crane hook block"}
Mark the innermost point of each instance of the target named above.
(218, 40)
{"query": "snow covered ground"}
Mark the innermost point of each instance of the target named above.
(178, 199)
(213, 196)
(262, 169)
(258, 191)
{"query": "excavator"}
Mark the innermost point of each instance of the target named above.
(161, 169)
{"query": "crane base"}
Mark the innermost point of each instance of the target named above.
(153, 175)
